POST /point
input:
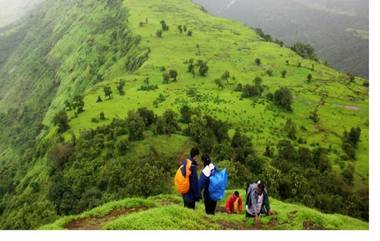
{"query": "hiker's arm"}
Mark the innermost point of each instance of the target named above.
(194, 183)
(202, 182)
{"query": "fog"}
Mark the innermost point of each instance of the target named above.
(338, 29)
(11, 10)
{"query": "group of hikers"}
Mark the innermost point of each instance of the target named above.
(212, 183)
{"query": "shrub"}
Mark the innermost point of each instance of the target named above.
(136, 126)
(61, 120)
(283, 98)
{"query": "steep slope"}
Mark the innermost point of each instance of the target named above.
(165, 212)
(90, 153)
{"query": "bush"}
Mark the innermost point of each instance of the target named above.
(147, 115)
(59, 154)
(304, 50)
(167, 123)
(283, 98)
(186, 113)
(159, 33)
(61, 120)
(136, 126)
(258, 61)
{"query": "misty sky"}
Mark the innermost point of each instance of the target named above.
(11, 10)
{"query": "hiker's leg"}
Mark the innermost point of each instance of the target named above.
(192, 204)
(212, 206)
(189, 204)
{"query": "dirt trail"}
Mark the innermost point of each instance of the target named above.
(96, 223)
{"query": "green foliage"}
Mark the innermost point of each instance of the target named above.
(108, 92)
(304, 50)
(136, 126)
(186, 113)
(283, 98)
(283, 73)
(120, 87)
(258, 61)
(290, 129)
(164, 26)
(167, 123)
(61, 120)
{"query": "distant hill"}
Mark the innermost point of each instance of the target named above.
(338, 30)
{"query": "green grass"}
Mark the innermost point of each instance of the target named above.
(176, 217)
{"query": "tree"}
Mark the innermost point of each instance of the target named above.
(61, 120)
(189, 33)
(78, 103)
(190, 66)
(135, 126)
(68, 105)
(304, 50)
(348, 173)
(173, 74)
(108, 92)
(350, 77)
(291, 129)
(287, 62)
(159, 33)
(309, 78)
(225, 75)
(203, 67)
(353, 136)
(102, 116)
(242, 146)
(258, 61)
(123, 147)
(59, 154)
(180, 28)
(99, 99)
(314, 116)
(283, 98)
(283, 73)
(186, 113)
(219, 83)
(165, 78)
(167, 124)
(164, 26)
(148, 116)
(120, 87)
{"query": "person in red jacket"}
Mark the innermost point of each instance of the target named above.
(234, 203)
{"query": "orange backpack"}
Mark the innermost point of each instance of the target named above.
(182, 183)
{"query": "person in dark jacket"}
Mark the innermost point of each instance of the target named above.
(204, 182)
(193, 195)
(257, 202)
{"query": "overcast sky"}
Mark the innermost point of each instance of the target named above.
(11, 10)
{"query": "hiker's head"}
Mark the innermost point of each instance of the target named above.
(260, 187)
(236, 194)
(194, 153)
(206, 160)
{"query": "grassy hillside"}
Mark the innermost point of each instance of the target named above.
(166, 212)
(230, 46)
(77, 148)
